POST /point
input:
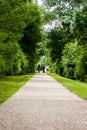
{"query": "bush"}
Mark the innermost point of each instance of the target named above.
(2, 65)
(81, 63)
(13, 60)
(69, 54)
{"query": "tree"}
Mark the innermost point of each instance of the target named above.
(56, 44)
(32, 35)
(12, 23)
(19, 21)
(12, 59)
(80, 26)
(69, 54)
(80, 32)
(80, 62)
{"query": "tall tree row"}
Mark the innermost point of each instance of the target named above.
(20, 31)
(68, 42)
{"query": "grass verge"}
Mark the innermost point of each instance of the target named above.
(77, 87)
(10, 84)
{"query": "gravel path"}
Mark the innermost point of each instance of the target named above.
(43, 104)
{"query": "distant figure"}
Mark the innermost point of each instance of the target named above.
(38, 68)
(43, 68)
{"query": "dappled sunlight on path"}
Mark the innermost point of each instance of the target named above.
(43, 104)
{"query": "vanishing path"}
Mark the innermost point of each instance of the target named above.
(43, 104)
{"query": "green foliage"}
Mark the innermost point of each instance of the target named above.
(2, 65)
(80, 26)
(13, 61)
(80, 32)
(74, 61)
(56, 43)
(71, 2)
(23, 41)
(32, 35)
(52, 2)
(41, 48)
(73, 14)
(3, 36)
(69, 54)
(13, 20)
(81, 63)
(19, 21)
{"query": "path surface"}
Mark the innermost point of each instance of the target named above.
(43, 104)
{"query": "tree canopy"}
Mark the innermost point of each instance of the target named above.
(20, 31)
(65, 41)
(24, 40)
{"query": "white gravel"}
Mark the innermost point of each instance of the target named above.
(43, 104)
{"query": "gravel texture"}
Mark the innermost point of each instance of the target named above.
(43, 104)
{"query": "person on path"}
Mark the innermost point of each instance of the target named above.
(38, 68)
(43, 68)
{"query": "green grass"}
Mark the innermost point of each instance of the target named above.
(10, 84)
(77, 87)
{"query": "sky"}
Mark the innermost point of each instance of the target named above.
(40, 2)
(54, 23)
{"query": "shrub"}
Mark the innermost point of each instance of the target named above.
(13, 60)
